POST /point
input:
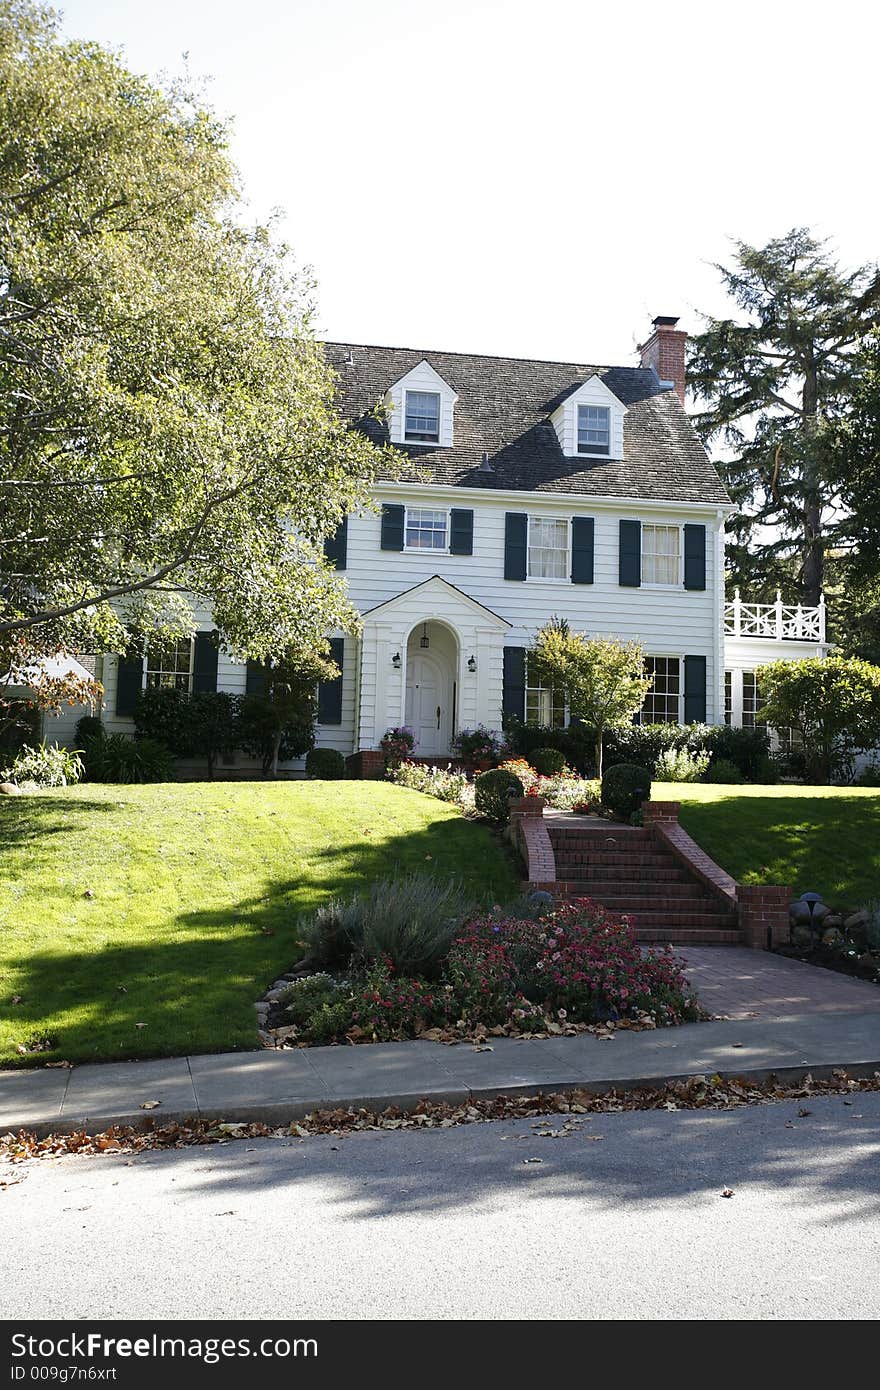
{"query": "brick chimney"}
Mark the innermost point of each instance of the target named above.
(664, 351)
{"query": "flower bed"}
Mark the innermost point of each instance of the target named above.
(573, 967)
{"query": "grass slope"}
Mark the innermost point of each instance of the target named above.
(815, 839)
(174, 906)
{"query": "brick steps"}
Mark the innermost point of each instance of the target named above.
(604, 888)
(632, 873)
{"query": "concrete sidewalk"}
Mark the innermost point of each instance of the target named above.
(277, 1087)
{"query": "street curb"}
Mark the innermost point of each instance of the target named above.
(286, 1112)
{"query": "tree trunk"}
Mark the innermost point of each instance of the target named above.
(599, 755)
(276, 748)
(812, 575)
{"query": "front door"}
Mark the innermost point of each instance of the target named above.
(425, 711)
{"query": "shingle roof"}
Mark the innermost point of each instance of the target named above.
(503, 410)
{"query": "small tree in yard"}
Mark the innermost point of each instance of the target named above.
(603, 679)
(833, 702)
(279, 722)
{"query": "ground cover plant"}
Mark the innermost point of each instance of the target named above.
(145, 921)
(543, 969)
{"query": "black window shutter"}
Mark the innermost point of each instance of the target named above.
(461, 532)
(516, 542)
(695, 690)
(630, 557)
(205, 662)
(694, 557)
(255, 680)
(513, 698)
(392, 526)
(582, 544)
(330, 692)
(336, 546)
(129, 682)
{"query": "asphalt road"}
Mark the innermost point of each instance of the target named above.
(623, 1218)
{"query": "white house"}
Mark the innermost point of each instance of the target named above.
(535, 488)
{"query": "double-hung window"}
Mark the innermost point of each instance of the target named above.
(169, 665)
(663, 701)
(753, 700)
(661, 554)
(426, 529)
(594, 429)
(728, 698)
(422, 417)
(544, 705)
(548, 549)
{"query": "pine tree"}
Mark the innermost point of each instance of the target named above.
(769, 384)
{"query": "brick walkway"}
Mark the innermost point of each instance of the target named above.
(735, 982)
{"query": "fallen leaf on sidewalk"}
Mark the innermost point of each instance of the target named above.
(483, 1047)
(150, 1104)
(803, 1112)
(727, 1192)
(533, 1160)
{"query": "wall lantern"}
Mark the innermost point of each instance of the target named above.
(395, 661)
(472, 664)
(424, 640)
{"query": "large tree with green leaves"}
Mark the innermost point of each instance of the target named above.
(168, 436)
(769, 381)
(856, 469)
(833, 703)
(603, 679)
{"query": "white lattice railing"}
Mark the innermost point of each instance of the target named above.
(782, 622)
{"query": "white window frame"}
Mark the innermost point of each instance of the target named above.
(159, 670)
(666, 656)
(423, 549)
(550, 579)
(419, 391)
(728, 698)
(591, 451)
(548, 692)
(667, 526)
(759, 702)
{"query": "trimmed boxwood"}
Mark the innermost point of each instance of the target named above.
(624, 788)
(549, 762)
(493, 791)
(326, 764)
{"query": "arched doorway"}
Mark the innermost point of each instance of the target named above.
(431, 666)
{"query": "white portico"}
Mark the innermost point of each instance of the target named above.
(430, 658)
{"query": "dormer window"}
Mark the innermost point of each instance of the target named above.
(589, 421)
(593, 429)
(422, 417)
(421, 408)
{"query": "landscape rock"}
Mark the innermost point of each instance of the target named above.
(9, 789)
(833, 919)
(831, 936)
(801, 936)
(857, 919)
(273, 995)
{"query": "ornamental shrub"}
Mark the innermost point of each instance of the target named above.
(88, 728)
(680, 765)
(397, 744)
(722, 771)
(624, 788)
(441, 782)
(477, 745)
(408, 920)
(550, 762)
(118, 758)
(325, 764)
(44, 766)
(493, 791)
(303, 997)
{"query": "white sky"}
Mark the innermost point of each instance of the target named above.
(529, 179)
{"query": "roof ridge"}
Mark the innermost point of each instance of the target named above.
(491, 356)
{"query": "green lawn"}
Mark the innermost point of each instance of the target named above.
(174, 906)
(815, 839)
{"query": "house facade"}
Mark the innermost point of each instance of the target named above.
(526, 489)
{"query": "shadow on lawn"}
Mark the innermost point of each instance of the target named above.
(194, 988)
(829, 845)
(28, 819)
